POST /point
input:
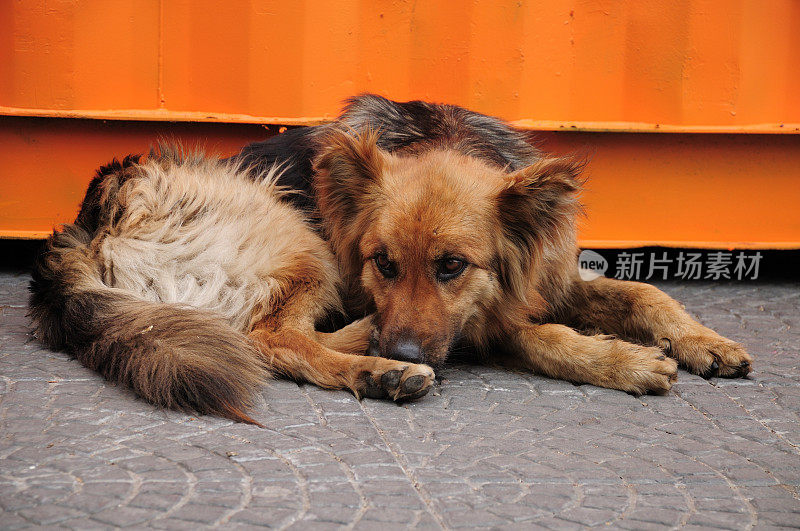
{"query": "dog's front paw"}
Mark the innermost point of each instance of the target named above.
(642, 370)
(709, 355)
(395, 380)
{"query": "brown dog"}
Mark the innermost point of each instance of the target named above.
(455, 231)
(189, 281)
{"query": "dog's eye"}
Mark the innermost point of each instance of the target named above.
(448, 268)
(385, 266)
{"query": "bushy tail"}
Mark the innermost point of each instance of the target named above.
(170, 355)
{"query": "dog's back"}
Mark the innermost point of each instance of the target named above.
(404, 127)
(417, 126)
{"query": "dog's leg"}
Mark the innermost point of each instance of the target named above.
(352, 339)
(560, 352)
(640, 312)
(292, 350)
(295, 354)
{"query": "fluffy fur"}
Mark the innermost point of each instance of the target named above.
(407, 193)
(189, 280)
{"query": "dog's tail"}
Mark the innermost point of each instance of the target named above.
(172, 356)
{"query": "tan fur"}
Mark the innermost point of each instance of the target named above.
(196, 282)
(516, 231)
(644, 314)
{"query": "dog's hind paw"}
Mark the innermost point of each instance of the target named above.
(395, 380)
(709, 355)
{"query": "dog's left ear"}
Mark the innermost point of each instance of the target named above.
(537, 206)
(347, 170)
(347, 181)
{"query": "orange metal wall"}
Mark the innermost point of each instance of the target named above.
(598, 64)
(639, 85)
(46, 164)
(695, 190)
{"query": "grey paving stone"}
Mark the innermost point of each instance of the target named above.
(487, 448)
(123, 516)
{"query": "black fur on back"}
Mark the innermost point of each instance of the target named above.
(89, 214)
(293, 151)
(418, 125)
(402, 128)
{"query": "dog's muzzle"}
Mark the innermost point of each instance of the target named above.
(403, 349)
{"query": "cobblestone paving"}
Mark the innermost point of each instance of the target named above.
(489, 448)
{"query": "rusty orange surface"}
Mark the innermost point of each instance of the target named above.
(644, 65)
(687, 190)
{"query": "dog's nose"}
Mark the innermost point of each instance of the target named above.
(407, 350)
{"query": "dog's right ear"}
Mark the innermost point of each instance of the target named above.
(347, 171)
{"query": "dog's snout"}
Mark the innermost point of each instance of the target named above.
(407, 350)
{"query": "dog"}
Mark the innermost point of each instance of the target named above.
(191, 281)
(454, 232)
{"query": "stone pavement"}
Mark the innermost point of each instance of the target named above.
(488, 448)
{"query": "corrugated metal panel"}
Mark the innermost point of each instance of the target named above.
(681, 66)
(46, 163)
(646, 65)
(684, 190)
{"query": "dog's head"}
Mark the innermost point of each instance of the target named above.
(441, 241)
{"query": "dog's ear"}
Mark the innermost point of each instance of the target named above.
(347, 180)
(537, 208)
(347, 170)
